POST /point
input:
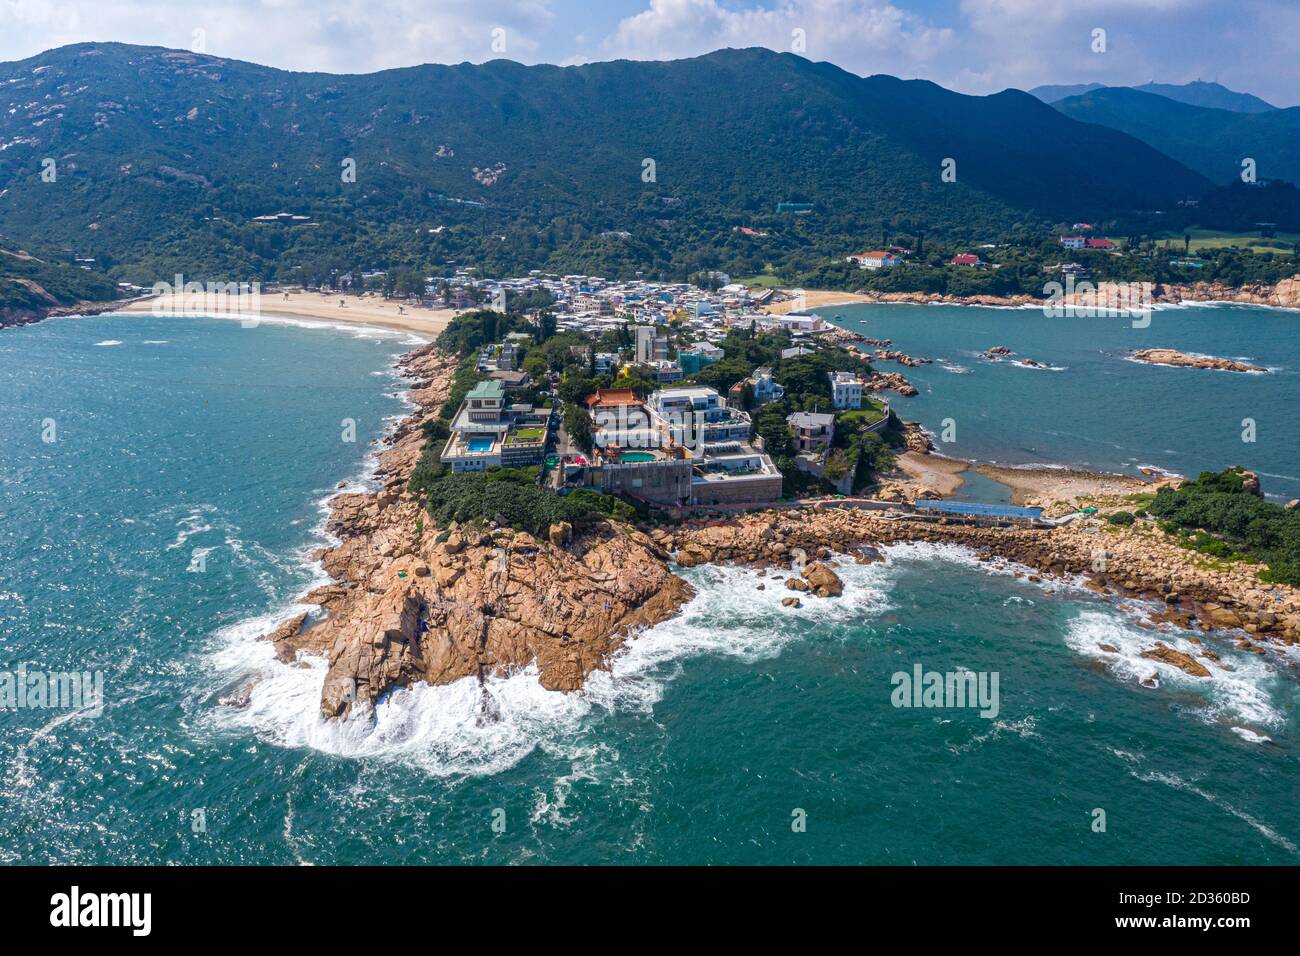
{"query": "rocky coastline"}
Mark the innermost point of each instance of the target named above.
(1138, 562)
(1285, 294)
(1183, 360)
(411, 602)
(11, 318)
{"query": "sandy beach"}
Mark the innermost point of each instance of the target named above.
(371, 310)
(940, 474)
(813, 299)
(1045, 486)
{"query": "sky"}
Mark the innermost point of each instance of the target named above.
(975, 46)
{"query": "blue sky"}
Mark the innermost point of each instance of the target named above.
(976, 46)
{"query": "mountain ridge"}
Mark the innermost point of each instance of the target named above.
(1195, 93)
(165, 158)
(1212, 141)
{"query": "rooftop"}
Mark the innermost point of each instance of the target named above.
(811, 420)
(612, 398)
(487, 390)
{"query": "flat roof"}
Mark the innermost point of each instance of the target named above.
(810, 419)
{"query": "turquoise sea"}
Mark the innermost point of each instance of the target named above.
(1093, 406)
(170, 522)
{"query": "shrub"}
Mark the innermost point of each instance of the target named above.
(512, 497)
(1122, 518)
(1224, 518)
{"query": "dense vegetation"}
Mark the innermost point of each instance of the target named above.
(1211, 141)
(470, 331)
(510, 497)
(1222, 515)
(31, 286)
(166, 158)
(1153, 251)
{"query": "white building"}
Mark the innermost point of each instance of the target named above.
(846, 390)
(874, 260)
(695, 416)
(800, 322)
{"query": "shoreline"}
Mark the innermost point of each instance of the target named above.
(1284, 296)
(409, 602)
(371, 311)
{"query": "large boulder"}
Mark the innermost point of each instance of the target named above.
(1162, 652)
(822, 580)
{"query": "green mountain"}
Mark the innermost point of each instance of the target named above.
(1211, 141)
(163, 161)
(1197, 93)
(31, 287)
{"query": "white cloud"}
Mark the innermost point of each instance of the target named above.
(860, 35)
(346, 36)
(977, 46)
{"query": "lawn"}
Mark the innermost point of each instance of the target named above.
(764, 281)
(1283, 243)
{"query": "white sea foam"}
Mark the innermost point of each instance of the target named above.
(445, 731)
(1178, 783)
(1243, 694)
(359, 331)
(193, 523)
(110, 342)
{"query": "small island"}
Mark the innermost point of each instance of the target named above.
(1183, 360)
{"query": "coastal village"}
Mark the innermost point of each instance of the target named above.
(659, 431)
(575, 451)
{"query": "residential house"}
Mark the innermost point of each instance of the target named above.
(846, 390)
(487, 432)
(967, 259)
(620, 420)
(763, 387)
(813, 432)
(874, 260)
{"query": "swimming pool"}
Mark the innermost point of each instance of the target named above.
(980, 510)
(636, 457)
(481, 443)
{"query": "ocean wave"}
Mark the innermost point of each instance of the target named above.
(359, 331)
(1231, 697)
(465, 728)
(192, 524)
(110, 342)
(1178, 783)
